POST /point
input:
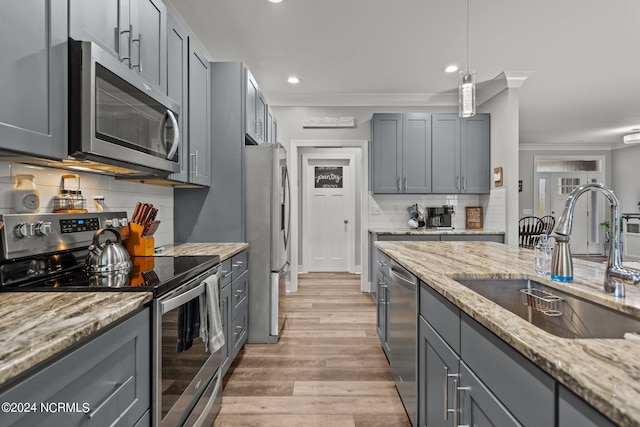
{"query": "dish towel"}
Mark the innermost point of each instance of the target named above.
(210, 321)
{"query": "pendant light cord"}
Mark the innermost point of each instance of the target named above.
(467, 64)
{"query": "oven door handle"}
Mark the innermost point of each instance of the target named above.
(181, 298)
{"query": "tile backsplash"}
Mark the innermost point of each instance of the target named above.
(118, 195)
(390, 210)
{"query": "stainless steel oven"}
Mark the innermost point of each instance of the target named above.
(187, 384)
(117, 118)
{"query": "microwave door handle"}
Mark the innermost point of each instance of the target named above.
(176, 133)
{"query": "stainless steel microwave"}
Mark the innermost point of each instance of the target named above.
(116, 118)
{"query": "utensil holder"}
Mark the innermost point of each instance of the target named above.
(138, 245)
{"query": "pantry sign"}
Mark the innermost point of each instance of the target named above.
(328, 176)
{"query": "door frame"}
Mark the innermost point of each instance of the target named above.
(351, 158)
(362, 162)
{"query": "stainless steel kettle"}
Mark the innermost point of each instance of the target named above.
(108, 256)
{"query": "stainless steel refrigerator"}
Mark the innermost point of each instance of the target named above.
(268, 222)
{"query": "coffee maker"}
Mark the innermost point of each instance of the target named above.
(440, 217)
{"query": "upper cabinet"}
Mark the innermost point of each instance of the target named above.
(134, 31)
(199, 116)
(256, 111)
(461, 154)
(33, 87)
(272, 127)
(401, 158)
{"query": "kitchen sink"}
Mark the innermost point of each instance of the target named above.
(554, 311)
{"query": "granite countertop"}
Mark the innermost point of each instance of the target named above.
(604, 372)
(37, 325)
(225, 250)
(422, 231)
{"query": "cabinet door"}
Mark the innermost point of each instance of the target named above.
(386, 344)
(387, 153)
(381, 306)
(100, 21)
(33, 87)
(573, 411)
(416, 153)
(478, 406)
(253, 92)
(261, 118)
(177, 88)
(148, 41)
(225, 318)
(445, 170)
(437, 378)
(475, 157)
(199, 117)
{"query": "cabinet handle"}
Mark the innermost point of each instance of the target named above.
(458, 182)
(104, 402)
(381, 263)
(239, 292)
(194, 163)
(464, 183)
(125, 58)
(398, 184)
(405, 183)
(224, 276)
(456, 409)
(139, 64)
(447, 411)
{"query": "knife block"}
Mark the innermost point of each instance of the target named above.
(136, 244)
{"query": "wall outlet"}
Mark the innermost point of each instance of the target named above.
(527, 211)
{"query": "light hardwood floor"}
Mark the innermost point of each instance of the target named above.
(328, 369)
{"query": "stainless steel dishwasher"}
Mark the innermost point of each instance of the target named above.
(403, 333)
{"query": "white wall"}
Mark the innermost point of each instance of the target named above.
(118, 195)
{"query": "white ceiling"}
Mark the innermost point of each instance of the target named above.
(584, 55)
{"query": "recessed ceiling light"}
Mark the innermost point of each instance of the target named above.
(275, 1)
(632, 138)
(451, 69)
(293, 80)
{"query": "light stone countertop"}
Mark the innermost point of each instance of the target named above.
(427, 231)
(35, 326)
(225, 250)
(604, 372)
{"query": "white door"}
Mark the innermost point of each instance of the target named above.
(588, 212)
(328, 213)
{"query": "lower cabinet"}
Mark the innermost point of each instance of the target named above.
(469, 376)
(382, 301)
(104, 382)
(234, 288)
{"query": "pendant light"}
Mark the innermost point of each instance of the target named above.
(467, 86)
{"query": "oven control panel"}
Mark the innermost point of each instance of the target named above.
(24, 235)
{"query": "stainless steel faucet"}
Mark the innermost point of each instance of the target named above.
(616, 276)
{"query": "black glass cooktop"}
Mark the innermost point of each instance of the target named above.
(66, 272)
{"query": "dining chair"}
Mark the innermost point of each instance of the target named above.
(530, 230)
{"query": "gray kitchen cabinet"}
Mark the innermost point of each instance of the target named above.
(178, 89)
(256, 111)
(495, 385)
(438, 371)
(134, 31)
(573, 411)
(33, 87)
(199, 117)
(234, 288)
(401, 158)
(272, 127)
(107, 378)
(217, 213)
(383, 299)
(188, 83)
(461, 150)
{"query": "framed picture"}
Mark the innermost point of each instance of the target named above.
(473, 218)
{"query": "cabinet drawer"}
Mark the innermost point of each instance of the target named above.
(239, 264)
(108, 378)
(515, 380)
(382, 262)
(239, 331)
(239, 292)
(225, 272)
(441, 314)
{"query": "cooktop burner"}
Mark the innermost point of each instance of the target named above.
(65, 272)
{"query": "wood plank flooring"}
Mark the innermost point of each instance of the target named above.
(328, 369)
